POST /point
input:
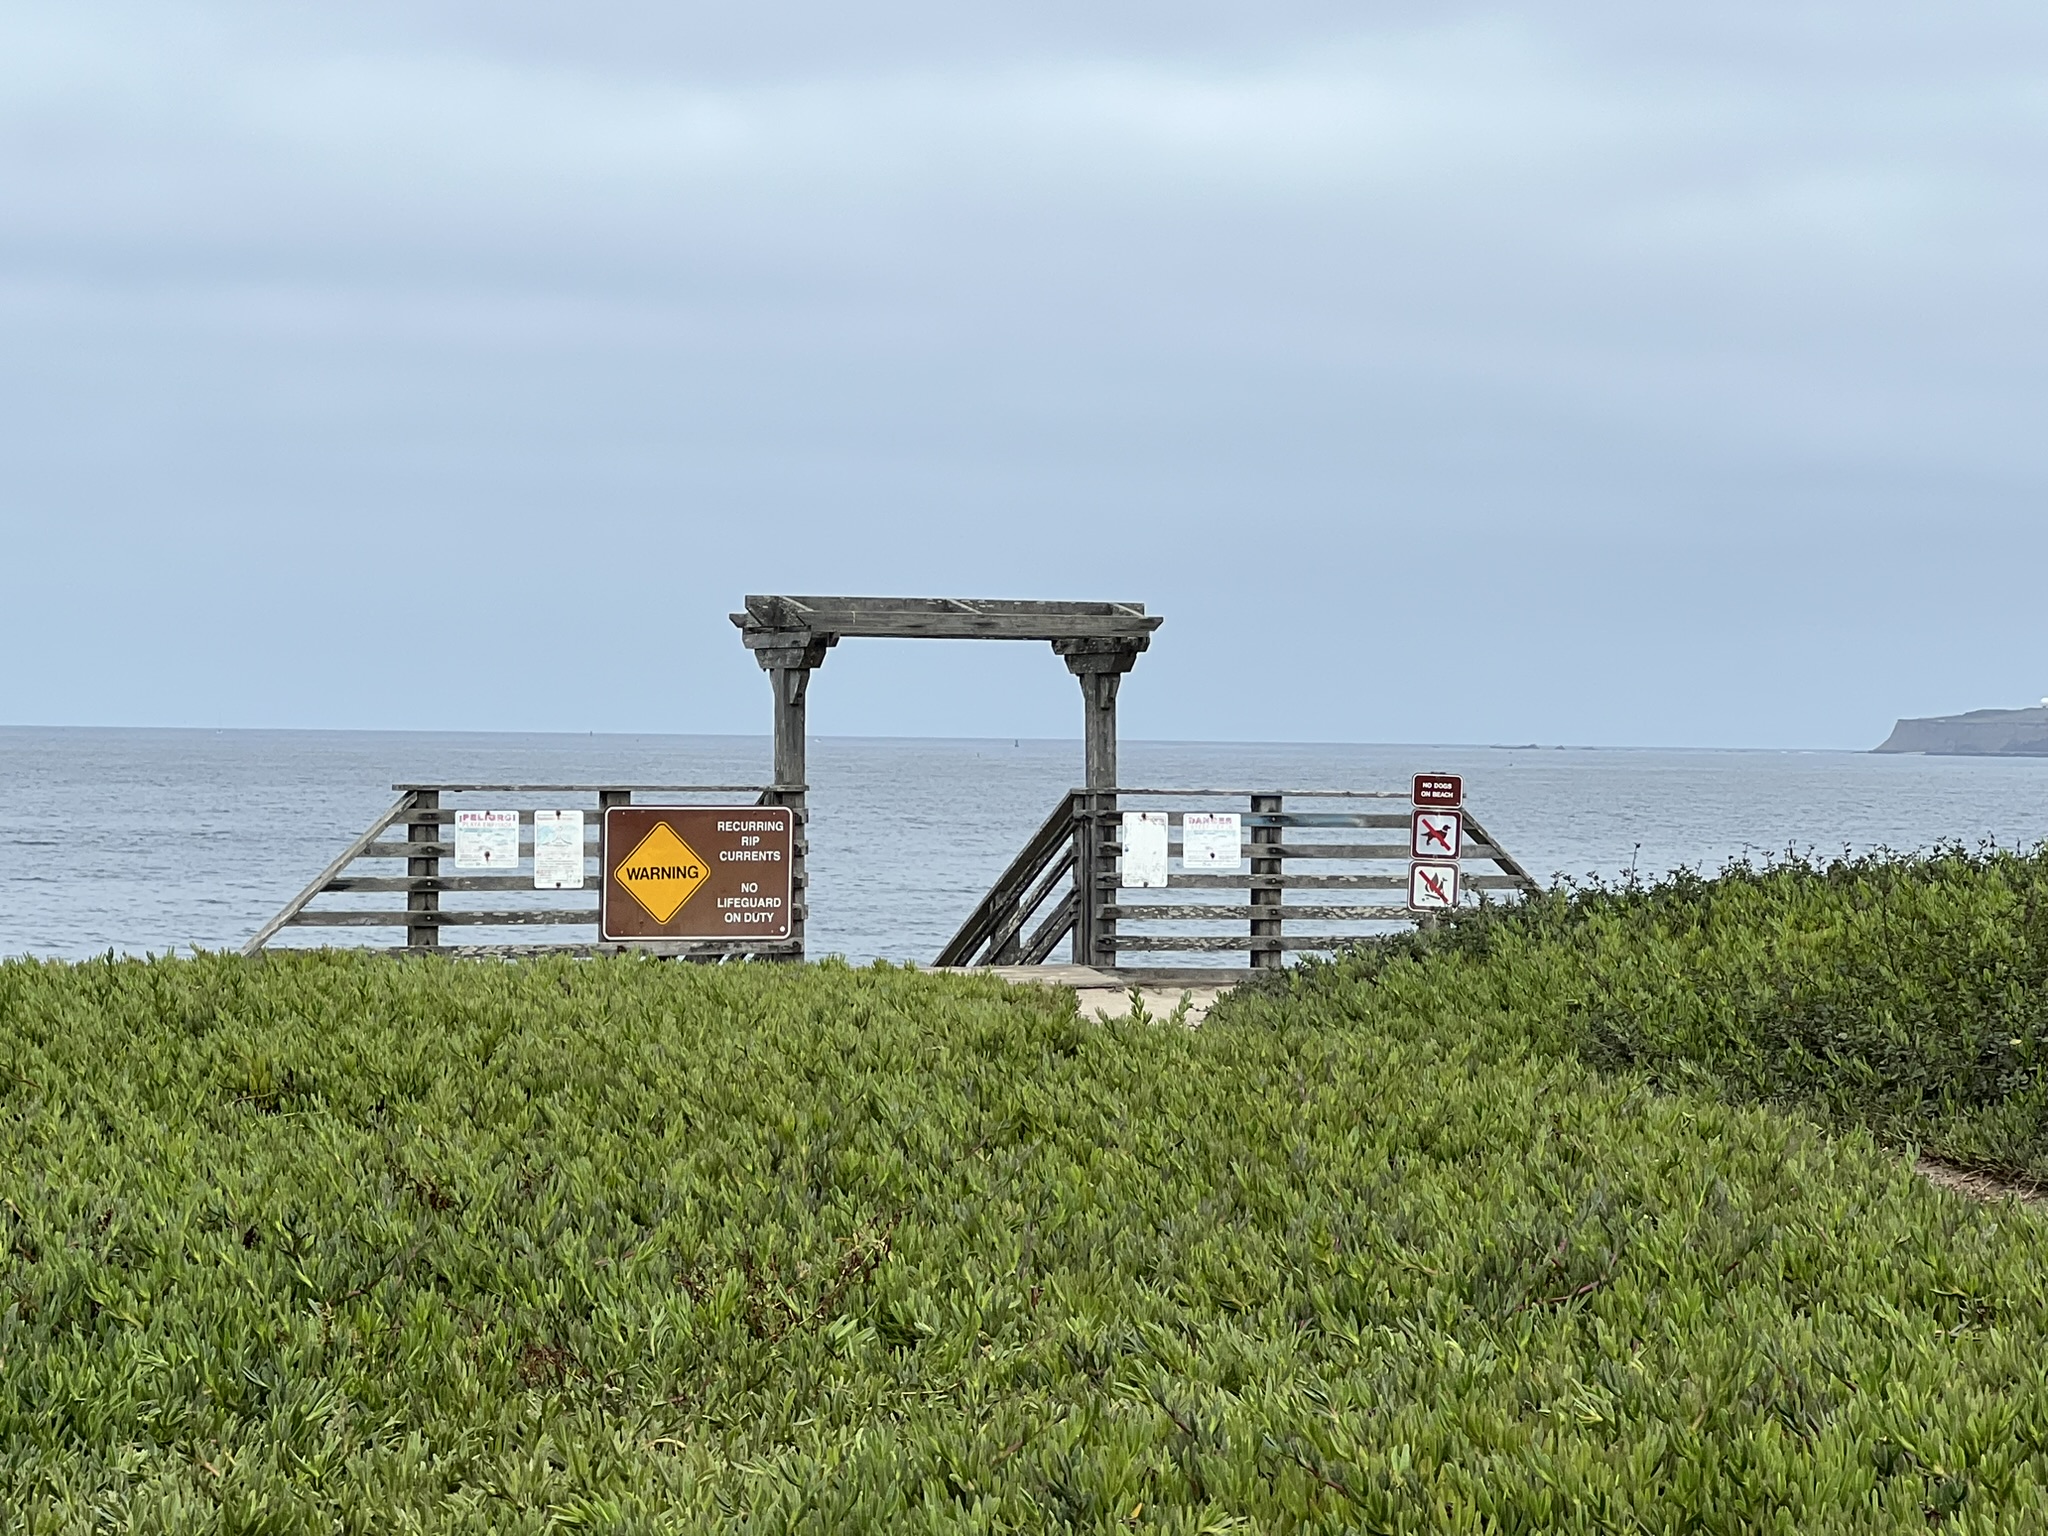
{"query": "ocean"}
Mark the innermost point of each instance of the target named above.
(154, 840)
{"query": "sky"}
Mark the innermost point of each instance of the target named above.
(1588, 373)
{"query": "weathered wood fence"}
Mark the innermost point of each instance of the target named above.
(1308, 880)
(356, 890)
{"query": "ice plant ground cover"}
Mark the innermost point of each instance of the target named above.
(1908, 995)
(1587, 1218)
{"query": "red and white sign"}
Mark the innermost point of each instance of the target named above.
(1445, 791)
(1436, 835)
(1432, 887)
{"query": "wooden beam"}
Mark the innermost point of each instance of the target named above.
(1004, 944)
(1500, 855)
(1267, 854)
(1049, 933)
(1162, 913)
(1292, 794)
(775, 621)
(445, 883)
(1470, 882)
(413, 918)
(676, 949)
(1192, 944)
(583, 789)
(423, 934)
(320, 881)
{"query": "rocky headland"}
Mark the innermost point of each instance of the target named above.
(1979, 733)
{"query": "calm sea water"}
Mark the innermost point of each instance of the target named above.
(148, 840)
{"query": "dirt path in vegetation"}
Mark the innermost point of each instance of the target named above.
(1980, 1186)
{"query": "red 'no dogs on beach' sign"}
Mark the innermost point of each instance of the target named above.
(1446, 790)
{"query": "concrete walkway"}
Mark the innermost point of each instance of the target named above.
(1107, 995)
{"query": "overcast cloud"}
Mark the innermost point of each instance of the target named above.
(461, 365)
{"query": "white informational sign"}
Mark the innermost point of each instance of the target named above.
(558, 850)
(1432, 887)
(1142, 865)
(1211, 840)
(486, 839)
(1437, 835)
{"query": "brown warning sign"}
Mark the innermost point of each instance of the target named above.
(696, 872)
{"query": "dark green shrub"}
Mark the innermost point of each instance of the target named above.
(1905, 994)
(339, 1243)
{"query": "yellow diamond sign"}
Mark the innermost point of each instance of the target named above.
(662, 873)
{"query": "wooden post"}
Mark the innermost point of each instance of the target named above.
(1266, 957)
(789, 674)
(791, 685)
(1098, 719)
(424, 935)
(792, 785)
(605, 799)
(1099, 666)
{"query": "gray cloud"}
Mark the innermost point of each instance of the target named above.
(1704, 349)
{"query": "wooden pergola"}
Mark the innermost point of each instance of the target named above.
(1099, 642)
(789, 637)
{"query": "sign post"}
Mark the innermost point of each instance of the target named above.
(696, 872)
(1436, 838)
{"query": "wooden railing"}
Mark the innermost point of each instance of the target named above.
(1032, 906)
(352, 893)
(1354, 887)
(1289, 853)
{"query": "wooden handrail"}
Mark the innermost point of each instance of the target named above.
(1002, 913)
(297, 904)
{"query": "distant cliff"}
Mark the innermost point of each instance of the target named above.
(1980, 733)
